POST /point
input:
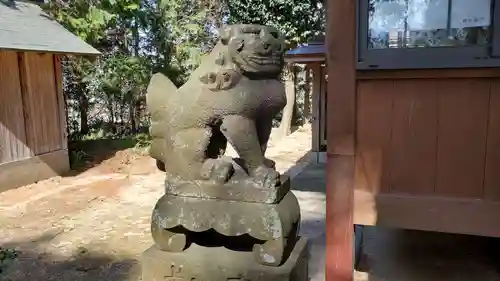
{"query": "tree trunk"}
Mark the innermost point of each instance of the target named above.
(286, 119)
(133, 100)
(112, 125)
(121, 128)
(132, 113)
(135, 110)
(66, 112)
(84, 111)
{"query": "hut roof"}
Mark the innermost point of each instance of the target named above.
(313, 51)
(24, 26)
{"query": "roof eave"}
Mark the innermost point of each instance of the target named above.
(39, 50)
(305, 59)
(26, 27)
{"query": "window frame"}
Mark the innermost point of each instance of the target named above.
(425, 58)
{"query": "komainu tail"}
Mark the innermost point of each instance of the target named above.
(159, 90)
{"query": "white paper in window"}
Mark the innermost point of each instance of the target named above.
(427, 14)
(388, 16)
(470, 13)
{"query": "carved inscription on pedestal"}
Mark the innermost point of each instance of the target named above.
(238, 279)
(176, 274)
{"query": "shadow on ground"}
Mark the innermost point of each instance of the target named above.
(309, 185)
(34, 264)
(311, 179)
(410, 255)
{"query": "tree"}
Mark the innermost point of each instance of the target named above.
(298, 20)
(136, 38)
(140, 37)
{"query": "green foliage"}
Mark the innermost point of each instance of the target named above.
(177, 36)
(299, 20)
(142, 140)
(77, 158)
(85, 18)
(6, 257)
(105, 98)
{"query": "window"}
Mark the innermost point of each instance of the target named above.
(406, 34)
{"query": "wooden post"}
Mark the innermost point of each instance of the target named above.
(58, 74)
(323, 108)
(316, 107)
(341, 99)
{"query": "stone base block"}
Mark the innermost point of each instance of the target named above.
(220, 264)
(238, 188)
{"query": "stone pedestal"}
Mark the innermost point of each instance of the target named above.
(178, 221)
(199, 263)
(223, 236)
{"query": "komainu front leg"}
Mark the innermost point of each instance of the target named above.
(189, 157)
(264, 127)
(242, 133)
(188, 152)
(216, 169)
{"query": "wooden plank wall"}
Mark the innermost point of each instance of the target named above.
(13, 144)
(429, 137)
(41, 102)
(30, 122)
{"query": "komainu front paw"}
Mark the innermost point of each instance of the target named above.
(160, 165)
(218, 170)
(269, 163)
(265, 176)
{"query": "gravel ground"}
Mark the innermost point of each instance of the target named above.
(94, 226)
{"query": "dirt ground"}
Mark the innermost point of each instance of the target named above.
(94, 224)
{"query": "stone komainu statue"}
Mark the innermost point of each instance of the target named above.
(233, 96)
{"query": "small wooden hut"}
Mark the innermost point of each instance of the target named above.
(33, 143)
(313, 56)
(414, 120)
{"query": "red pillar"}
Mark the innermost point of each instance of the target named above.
(341, 147)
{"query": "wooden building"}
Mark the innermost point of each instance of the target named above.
(414, 120)
(33, 144)
(313, 56)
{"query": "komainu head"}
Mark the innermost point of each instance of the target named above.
(257, 50)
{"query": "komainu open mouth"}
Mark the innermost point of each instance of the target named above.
(261, 60)
(259, 64)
